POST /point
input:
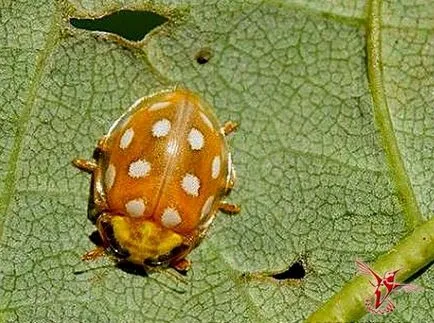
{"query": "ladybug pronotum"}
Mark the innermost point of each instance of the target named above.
(158, 179)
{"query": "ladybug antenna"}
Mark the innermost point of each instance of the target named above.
(174, 277)
(173, 289)
(80, 272)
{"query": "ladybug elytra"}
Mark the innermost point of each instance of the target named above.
(158, 179)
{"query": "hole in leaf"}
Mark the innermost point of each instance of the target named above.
(295, 271)
(131, 25)
(203, 56)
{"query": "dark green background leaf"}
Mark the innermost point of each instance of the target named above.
(314, 180)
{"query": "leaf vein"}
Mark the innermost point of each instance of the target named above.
(24, 120)
(383, 119)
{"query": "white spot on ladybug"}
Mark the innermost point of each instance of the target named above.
(190, 184)
(159, 106)
(195, 139)
(139, 168)
(215, 168)
(206, 120)
(109, 177)
(126, 138)
(161, 128)
(135, 208)
(170, 218)
(206, 208)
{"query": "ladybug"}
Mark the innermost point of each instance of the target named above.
(158, 179)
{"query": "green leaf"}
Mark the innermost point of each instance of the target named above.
(334, 156)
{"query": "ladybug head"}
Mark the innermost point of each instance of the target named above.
(141, 242)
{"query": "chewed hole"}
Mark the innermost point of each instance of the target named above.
(131, 25)
(203, 56)
(295, 271)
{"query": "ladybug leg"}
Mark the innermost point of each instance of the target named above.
(98, 198)
(229, 127)
(101, 146)
(93, 254)
(181, 265)
(229, 208)
(87, 166)
(97, 202)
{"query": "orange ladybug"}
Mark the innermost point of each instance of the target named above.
(158, 179)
